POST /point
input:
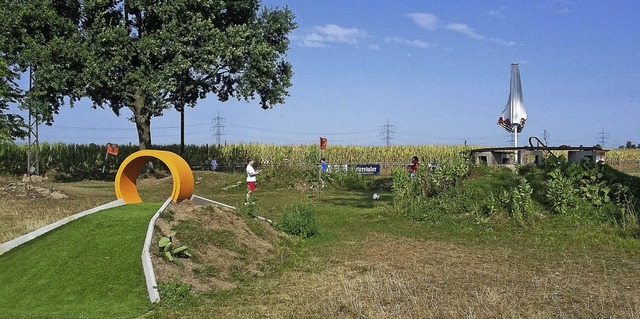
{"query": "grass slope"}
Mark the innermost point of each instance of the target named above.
(89, 268)
(368, 262)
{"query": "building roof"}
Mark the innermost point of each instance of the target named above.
(541, 148)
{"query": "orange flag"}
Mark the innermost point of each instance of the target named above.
(323, 143)
(112, 149)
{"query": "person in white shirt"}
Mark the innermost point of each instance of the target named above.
(214, 164)
(251, 178)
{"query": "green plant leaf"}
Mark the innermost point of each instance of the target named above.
(180, 249)
(164, 241)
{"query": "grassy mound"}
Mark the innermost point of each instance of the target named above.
(226, 246)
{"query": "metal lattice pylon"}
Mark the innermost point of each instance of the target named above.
(33, 149)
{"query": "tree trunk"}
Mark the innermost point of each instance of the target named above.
(142, 117)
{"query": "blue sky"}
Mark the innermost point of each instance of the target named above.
(437, 71)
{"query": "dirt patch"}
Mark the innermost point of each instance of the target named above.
(225, 246)
(31, 190)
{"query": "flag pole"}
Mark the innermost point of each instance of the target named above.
(320, 167)
(106, 155)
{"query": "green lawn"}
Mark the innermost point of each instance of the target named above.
(89, 268)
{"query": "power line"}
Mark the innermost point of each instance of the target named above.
(602, 137)
(218, 127)
(386, 131)
(270, 130)
(33, 148)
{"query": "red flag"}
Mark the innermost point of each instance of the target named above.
(112, 149)
(323, 143)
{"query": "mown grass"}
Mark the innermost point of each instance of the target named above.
(89, 268)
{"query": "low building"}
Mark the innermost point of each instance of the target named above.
(493, 156)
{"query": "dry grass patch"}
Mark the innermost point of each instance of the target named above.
(387, 277)
(29, 206)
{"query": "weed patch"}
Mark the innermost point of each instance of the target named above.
(299, 219)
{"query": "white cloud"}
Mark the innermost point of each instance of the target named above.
(466, 30)
(321, 36)
(413, 43)
(424, 20)
(558, 6)
(503, 42)
(496, 13)
(431, 22)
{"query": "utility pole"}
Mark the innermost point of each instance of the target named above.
(602, 137)
(33, 149)
(218, 126)
(182, 131)
(386, 131)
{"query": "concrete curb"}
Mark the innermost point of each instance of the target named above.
(147, 266)
(205, 201)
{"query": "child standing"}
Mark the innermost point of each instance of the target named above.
(251, 178)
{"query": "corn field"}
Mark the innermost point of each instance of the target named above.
(623, 157)
(88, 160)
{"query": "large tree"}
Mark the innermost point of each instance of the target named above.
(40, 35)
(11, 125)
(152, 55)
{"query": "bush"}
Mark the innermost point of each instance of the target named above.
(517, 201)
(561, 194)
(348, 179)
(299, 219)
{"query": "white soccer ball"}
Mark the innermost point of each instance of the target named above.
(376, 196)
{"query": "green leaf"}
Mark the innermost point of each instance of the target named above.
(179, 249)
(164, 241)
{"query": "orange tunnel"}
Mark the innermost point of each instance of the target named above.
(125, 182)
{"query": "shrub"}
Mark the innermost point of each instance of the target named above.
(299, 219)
(447, 174)
(348, 179)
(517, 201)
(406, 188)
(561, 195)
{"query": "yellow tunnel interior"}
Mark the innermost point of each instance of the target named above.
(125, 182)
